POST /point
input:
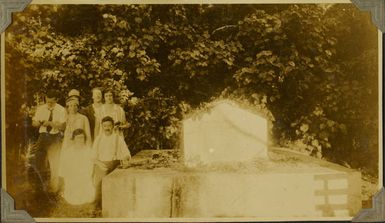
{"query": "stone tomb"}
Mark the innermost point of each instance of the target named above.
(226, 170)
(224, 133)
(286, 186)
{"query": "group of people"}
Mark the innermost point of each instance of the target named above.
(77, 147)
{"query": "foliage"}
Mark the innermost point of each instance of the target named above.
(297, 61)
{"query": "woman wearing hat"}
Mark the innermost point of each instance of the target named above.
(75, 120)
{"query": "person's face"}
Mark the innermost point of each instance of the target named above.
(108, 127)
(97, 95)
(108, 98)
(79, 139)
(50, 102)
(72, 108)
(122, 100)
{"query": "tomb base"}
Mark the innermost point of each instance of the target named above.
(166, 192)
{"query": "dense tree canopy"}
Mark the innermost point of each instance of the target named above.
(312, 68)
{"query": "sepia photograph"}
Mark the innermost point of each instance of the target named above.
(198, 112)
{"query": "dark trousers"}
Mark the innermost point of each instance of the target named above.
(43, 163)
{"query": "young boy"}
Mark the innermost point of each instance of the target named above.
(109, 150)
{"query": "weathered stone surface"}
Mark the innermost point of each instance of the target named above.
(125, 193)
(322, 189)
(224, 133)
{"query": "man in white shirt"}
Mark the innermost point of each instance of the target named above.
(50, 119)
(109, 150)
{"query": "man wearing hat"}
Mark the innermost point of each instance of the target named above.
(50, 120)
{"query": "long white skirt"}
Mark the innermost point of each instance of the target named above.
(76, 168)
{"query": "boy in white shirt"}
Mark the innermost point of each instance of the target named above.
(109, 150)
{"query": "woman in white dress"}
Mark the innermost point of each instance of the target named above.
(75, 120)
(77, 170)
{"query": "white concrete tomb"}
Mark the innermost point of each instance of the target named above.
(224, 133)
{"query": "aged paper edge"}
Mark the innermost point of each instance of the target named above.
(184, 2)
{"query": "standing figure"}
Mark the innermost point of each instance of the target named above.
(109, 150)
(76, 170)
(50, 119)
(92, 112)
(115, 111)
(75, 120)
